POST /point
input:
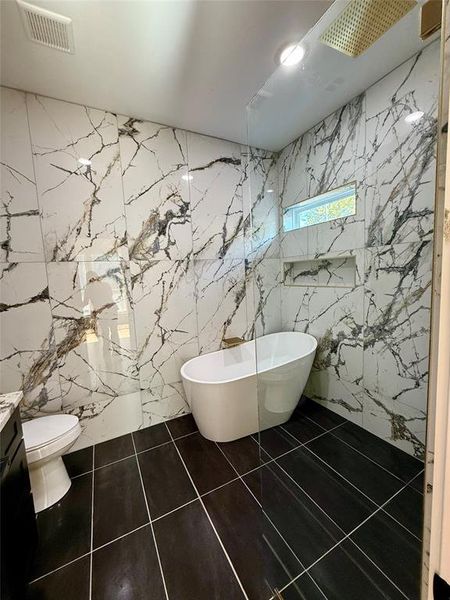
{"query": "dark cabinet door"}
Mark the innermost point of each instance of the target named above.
(17, 518)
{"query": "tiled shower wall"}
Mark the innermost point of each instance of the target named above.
(116, 272)
(372, 360)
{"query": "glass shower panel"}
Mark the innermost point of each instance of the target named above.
(341, 170)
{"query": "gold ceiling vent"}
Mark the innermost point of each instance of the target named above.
(363, 22)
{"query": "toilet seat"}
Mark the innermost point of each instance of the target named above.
(46, 436)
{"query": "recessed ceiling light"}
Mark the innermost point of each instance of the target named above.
(84, 161)
(270, 191)
(292, 55)
(415, 116)
(187, 177)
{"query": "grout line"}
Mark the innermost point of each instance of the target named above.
(150, 521)
(174, 510)
(422, 472)
(179, 437)
(380, 508)
(323, 433)
(299, 445)
(219, 487)
(120, 537)
(378, 568)
(113, 462)
(375, 462)
(342, 476)
(130, 455)
(313, 581)
(241, 478)
(268, 518)
(92, 525)
(209, 518)
(264, 512)
(238, 475)
(401, 525)
(296, 439)
(59, 568)
(346, 537)
(80, 475)
(317, 585)
(165, 443)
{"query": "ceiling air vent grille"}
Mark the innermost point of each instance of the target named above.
(46, 27)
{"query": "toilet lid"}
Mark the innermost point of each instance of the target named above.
(42, 431)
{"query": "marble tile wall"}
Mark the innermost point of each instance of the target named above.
(372, 359)
(114, 273)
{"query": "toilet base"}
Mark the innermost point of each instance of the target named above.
(49, 482)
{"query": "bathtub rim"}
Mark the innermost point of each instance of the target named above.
(256, 373)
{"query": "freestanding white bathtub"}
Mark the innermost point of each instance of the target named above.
(239, 391)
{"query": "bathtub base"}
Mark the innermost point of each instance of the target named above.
(246, 406)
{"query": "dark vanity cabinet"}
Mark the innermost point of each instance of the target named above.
(18, 522)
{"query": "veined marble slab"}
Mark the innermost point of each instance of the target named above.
(8, 404)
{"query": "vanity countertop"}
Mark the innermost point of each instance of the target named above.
(8, 404)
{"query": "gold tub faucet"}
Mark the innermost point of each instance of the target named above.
(232, 342)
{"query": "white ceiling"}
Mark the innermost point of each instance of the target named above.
(190, 64)
(293, 100)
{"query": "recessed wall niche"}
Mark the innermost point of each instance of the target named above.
(325, 271)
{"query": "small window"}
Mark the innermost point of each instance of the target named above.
(332, 205)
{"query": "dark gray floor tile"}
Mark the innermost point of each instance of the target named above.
(244, 454)
(302, 428)
(261, 558)
(396, 461)
(346, 573)
(305, 528)
(127, 568)
(340, 501)
(69, 583)
(194, 564)
(319, 414)
(79, 462)
(303, 588)
(418, 482)
(407, 508)
(276, 441)
(167, 485)
(112, 450)
(207, 465)
(119, 505)
(182, 426)
(371, 479)
(395, 551)
(147, 438)
(64, 529)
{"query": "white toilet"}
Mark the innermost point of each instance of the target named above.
(46, 440)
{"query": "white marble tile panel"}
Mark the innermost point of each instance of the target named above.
(166, 323)
(216, 191)
(261, 206)
(156, 188)
(263, 297)
(397, 322)
(163, 403)
(20, 230)
(221, 303)
(82, 205)
(104, 420)
(400, 155)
